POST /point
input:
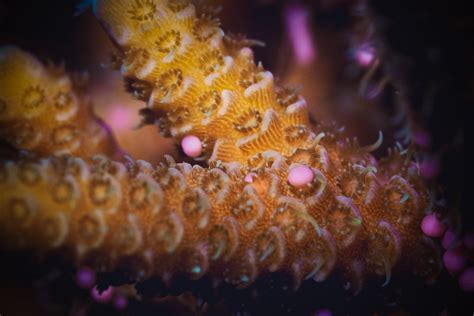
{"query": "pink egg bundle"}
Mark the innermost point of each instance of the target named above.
(192, 146)
(432, 226)
(454, 257)
(300, 176)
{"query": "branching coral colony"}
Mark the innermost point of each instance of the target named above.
(277, 195)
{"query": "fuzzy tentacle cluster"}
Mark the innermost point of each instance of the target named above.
(357, 214)
(44, 111)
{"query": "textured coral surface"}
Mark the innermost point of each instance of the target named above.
(357, 214)
(43, 110)
(196, 80)
(179, 218)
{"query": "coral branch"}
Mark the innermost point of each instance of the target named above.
(198, 81)
(43, 111)
(179, 219)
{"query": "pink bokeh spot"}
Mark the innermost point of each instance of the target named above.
(104, 296)
(450, 239)
(365, 55)
(469, 241)
(120, 302)
(430, 168)
(85, 278)
(466, 280)
(298, 27)
(422, 138)
(323, 312)
(192, 146)
(431, 226)
(454, 261)
(300, 176)
(120, 118)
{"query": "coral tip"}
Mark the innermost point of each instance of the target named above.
(466, 280)
(431, 226)
(300, 176)
(192, 146)
(454, 261)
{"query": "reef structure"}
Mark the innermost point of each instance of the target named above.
(244, 215)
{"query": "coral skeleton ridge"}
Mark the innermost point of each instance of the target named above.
(238, 219)
(44, 111)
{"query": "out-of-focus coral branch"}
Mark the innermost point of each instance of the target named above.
(42, 110)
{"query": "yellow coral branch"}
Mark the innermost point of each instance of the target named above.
(180, 219)
(42, 111)
(198, 81)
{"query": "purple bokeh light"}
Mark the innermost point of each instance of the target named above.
(104, 296)
(121, 118)
(365, 55)
(120, 302)
(454, 261)
(466, 280)
(432, 226)
(469, 240)
(430, 167)
(297, 24)
(323, 312)
(450, 240)
(85, 278)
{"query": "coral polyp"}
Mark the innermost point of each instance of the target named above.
(146, 220)
(45, 111)
(205, 85)
(275, 194)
